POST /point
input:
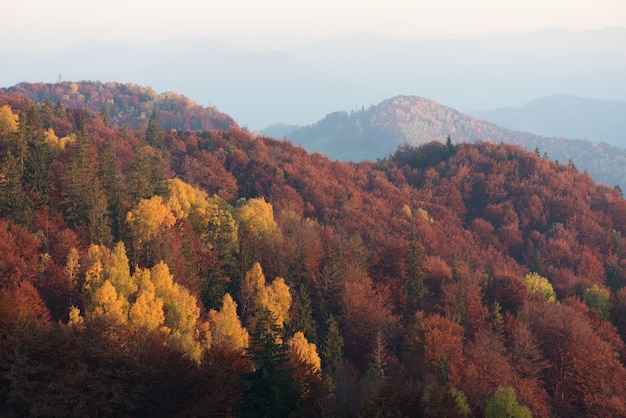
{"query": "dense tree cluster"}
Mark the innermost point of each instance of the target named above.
(216, 272)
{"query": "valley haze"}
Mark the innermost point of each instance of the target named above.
(300, 84)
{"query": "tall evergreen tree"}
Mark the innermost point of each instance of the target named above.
(13, 200)
(332, 345)
(154, 132)
(84, 201)
(113, 187)
(305, 313)
(270, 389)
(148, 177)
(37, 166)
(450, 147)
(106, 117)
(415, 277)
(77, 182)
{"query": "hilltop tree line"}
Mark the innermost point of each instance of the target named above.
(125, 104)
(376, 132)
(215, 272)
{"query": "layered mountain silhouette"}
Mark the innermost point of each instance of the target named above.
(303, 83)
(563, 115)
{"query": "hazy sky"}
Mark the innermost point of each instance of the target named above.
(278, 23)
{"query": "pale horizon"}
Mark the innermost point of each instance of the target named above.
(275, 24)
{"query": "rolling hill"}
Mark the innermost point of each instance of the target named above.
(376, 132)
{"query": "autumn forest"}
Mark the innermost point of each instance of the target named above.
(157, 259)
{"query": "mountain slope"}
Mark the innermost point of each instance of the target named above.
(376, 132)
(566, 116)
(191, 277)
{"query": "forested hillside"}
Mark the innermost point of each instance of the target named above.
(127, 105)
(220, 273)
(376, 132)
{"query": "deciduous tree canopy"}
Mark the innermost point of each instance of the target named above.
(459, 279)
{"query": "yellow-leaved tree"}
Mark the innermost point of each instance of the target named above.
(182, 313)
(251, 285)
(72, 268)
(303, 351)
(106, 302)
(220, 231)
(8, 122)
(147, 311)
(57, 143)
(277, 298)
(305, 363)
(100, 294)
(186, 201)
(257, 215)
(149, 218)
(51, 138)
(256, 295)
(225, 325)
(259, 234)
(209, 216)
(93, 273)
(117, 271)
(540, 285)
(150, 299)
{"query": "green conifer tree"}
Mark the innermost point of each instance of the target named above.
(113, 188)
(84, 201)
(305, 314)
(332, 345)
(415, 277)
(270, 389)
(154, 132)
(35, 155)
(14, 202)
(106, 117)
(148, 177)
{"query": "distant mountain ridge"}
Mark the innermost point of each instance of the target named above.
(563, 115)
(302, 83)
(376, 132)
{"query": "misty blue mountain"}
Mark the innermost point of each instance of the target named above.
(567, 116)
(302, 84)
